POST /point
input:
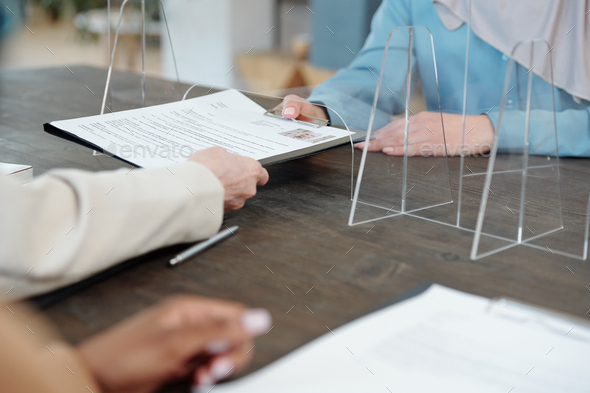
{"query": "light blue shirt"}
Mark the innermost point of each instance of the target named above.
(351, 91)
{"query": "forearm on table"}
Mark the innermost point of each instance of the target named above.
(573, 132)
(38, 362)
(71, 224)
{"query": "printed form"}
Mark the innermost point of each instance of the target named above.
(160, 135)
(442, 341)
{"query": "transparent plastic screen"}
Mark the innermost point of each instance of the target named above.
(404, 168)
(522, 196)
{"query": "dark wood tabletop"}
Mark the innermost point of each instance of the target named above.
(295, 253)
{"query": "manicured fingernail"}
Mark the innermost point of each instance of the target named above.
(205, 379)
(217, 347)
(290, 111)
(256, 321)
(221, 369)
(388, 150)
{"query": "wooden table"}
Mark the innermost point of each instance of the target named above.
(293, 254)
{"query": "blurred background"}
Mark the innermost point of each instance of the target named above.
(272, 47)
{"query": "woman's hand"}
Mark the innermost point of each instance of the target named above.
(209, 339)
(425, 136)
(295, 107)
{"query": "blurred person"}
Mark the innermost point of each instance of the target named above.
(183, 337)
(497, 27)
(186, 336)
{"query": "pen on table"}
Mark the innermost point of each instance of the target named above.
(191, 252)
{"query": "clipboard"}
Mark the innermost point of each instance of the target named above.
(62, 129)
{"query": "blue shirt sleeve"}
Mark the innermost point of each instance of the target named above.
(573, 132)
(351, 91)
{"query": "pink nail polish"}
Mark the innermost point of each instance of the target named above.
(221, 369)
(217, 347)
(256, 321)
(290, 111)
(206, 380)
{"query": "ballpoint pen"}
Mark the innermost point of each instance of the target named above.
(191, 252)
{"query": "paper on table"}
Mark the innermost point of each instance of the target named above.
(439, 341)
(161, 135)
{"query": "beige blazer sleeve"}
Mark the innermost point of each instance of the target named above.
(32, 360)
(70, 224)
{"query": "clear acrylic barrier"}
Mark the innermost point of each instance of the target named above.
(522, 199)
(516, 200)
(125, 92)
(414, 176)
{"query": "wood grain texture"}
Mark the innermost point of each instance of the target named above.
(296, 228)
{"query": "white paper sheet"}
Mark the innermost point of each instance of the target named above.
(161, 135)
(440, 341)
